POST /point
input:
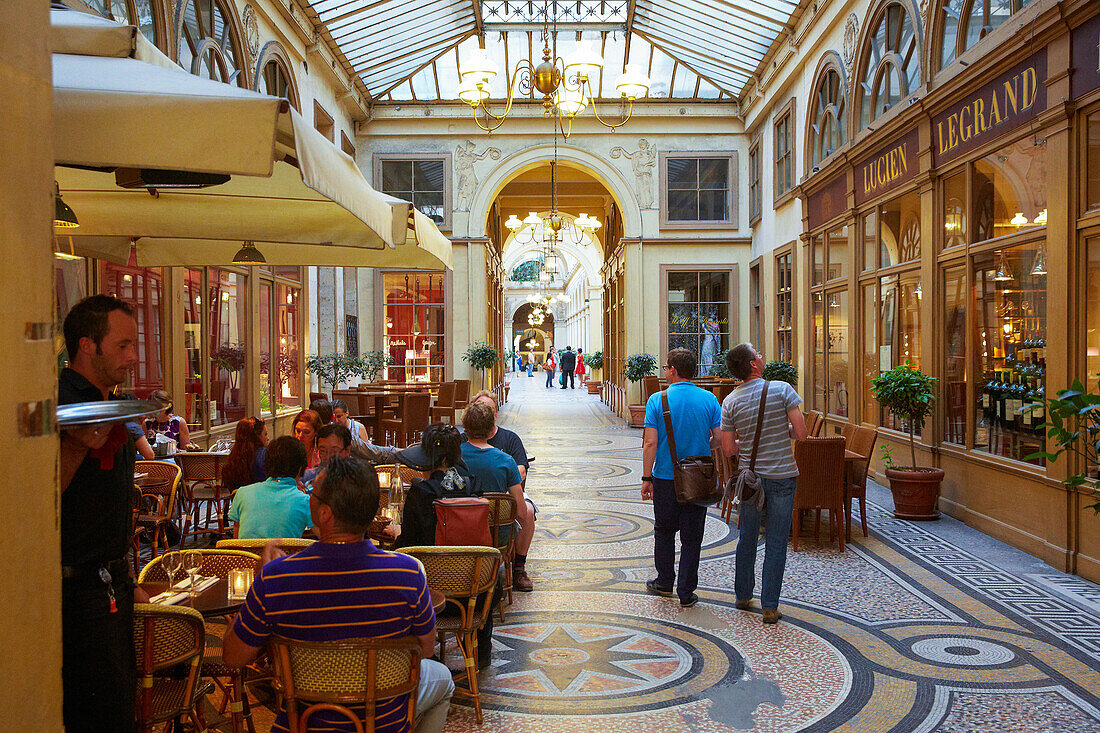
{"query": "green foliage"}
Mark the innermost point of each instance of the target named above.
(718, 369)
(886, 453)
(332, 369)
(594, 360)
(1073, 424)
(526, 271)
(781, 371)
(907, 392)
(481, 356)
(371, 364)
(231, 358)
(639, 366)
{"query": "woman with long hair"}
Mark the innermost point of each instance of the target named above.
(245, 464)
(306, 426)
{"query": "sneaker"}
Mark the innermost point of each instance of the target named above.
(689, 601)
(652, 588)
(521, 582)
(745, 605)
(772, 615)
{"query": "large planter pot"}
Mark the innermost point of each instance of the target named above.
(915, 492)
(507, 387)
(593, 387)
(637, 416)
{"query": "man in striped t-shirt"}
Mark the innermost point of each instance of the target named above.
(775, 467)
(344, 587)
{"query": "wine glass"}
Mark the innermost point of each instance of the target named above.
(192, 563)
(173, 563)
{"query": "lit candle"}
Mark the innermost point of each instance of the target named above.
(384, 480)
(239, 582)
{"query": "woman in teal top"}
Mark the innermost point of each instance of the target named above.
(275, 507)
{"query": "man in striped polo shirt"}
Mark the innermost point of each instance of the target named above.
(775, 467)
(344, 587)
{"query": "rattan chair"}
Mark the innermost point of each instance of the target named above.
(502, 525)
(158, 505)
(206, 499)
(333, 675)
(406, 429)
(214, 563)
(289, 545)
(862, 441)
(166, 640)
(820, 482)
(466, 576)
(444, 404)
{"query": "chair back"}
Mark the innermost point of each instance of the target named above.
(332, 675)
(815, 422)
(848, 431)
(862, 442)
(214, 563)
(446, 396)
(462, 393)
(462, 574)
(317, 396)
(164, 479)
(502, 516)
(166, 638)
(205, 468)
(414, 415)
(820, 464)
(351, 397)
(289, 545)
(650, 386)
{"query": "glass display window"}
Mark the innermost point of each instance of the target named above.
(143, 289)
(70, 287)
(288, 306)
(264, 293)
(1009, 191)
(837, 253)
(954, 211)
(698, 317)
(227, 323)
(784, 307)
(899, 322)
(954, 355)
(1092, 162)
(414, 325)
(837, 348)
(820, 392)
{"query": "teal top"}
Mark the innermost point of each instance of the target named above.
(495, 469)
(271, 508)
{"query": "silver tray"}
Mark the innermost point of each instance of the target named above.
(108, 411)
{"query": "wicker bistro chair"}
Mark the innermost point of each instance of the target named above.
(334, 675)
(206, 499)
(167, 638)
(414, 418)
(444, 404)
(289, 545)
(503, 527)
(820, 481)
(214, 563)
(461, 400)
(466, 576)
(862, 441)
(158, 503)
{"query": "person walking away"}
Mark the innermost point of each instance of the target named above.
(96, 477)
(775, 467)
(579, 371)
(549, 366)
(696, 417)
(568, 365)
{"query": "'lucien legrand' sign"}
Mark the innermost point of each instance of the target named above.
(888, 168)
(1085, 55)
(1009, 101)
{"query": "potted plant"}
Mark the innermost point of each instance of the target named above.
(371, 364)
(594, 363)
(718, 369)
(908, 394)
(482, 356)
(781, 371)
(332, 369)
(636, 368)
(1073, 424)
(230, 358)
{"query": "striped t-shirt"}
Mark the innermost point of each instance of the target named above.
(775, 459)
(334, 591)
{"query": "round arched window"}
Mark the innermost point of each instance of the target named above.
(142, 13)
(274, 76)
(829, 107)
(208, 42)
(962, 23)
(891, 63)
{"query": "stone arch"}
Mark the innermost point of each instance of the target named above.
(829, 61)
(571, 156)
(587, 256)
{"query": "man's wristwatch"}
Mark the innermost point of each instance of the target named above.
(647, 478)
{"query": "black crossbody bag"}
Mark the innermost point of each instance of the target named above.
(695, 477)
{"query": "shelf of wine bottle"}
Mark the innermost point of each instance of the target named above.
(1011, 405)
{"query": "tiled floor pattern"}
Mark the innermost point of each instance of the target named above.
(904, 631)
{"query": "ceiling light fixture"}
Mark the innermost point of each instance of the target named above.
(63, 215)
(1039, 266)
(1003, 274)
(248, 255)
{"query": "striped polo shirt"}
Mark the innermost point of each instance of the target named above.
(775, 459)
(332, 591)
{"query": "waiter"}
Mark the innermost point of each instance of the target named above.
(97, 482)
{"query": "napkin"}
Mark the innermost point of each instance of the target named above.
(170, 596)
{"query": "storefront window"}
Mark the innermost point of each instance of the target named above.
(227, 323)
(899, 235)
(899, 329)
(954, 372)
(143, 289)
(1092, 131)
(784, 314)
(817, 248)
(870, 241)
(837, 253)
(195, 404)
(698, 315)
(263, 338)
(288, 393)
(1010, 373)
(820, 392)
(837, 352)
(871, 367)
(1009, 190)
(954, 211)
(1092, 318)
(414, 327)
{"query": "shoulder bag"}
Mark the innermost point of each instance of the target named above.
(695, 477)
(745, 486)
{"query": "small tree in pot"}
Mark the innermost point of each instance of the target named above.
(781, 371)
(372, 363)
(594, 363)
(332, 368)
(908, 394)
(482, 356)
(636, 368)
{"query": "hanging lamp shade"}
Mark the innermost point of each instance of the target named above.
(632, 83)
(249, 255)
(63, 215)
(584, 61)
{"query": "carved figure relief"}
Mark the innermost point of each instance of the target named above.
(643, 161)
(851, 38)
(251, 36)
(465, 178)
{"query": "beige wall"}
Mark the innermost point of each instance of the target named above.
(30, 563)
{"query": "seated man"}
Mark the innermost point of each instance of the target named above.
(332, 440)
(344, 587)
(511, 444)
(275, 507)
(360, 443)
(497, 472)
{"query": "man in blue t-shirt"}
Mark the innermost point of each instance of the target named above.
(696, 421)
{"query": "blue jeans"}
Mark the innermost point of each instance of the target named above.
(670, 517)
(549, 378)
(779, 497)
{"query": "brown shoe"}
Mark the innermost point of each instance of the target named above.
(772, 615)
(521, 582)
(745, 605)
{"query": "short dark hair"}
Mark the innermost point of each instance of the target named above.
(478, 420)
(337, 405)
(88, 319)
(684, 362)
(442, 443)
(739, 360)
(350, 489)
(323, 408)
(285, 457)
(338, 430)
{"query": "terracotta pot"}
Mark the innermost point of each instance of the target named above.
(508, 387)
(637, 416)
(915, 492)
(593, 387)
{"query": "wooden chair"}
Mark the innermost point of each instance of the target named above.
(820, 482)
(289, 545)
(444, 404)
(650, 386)
(168, 640)
(862, 442)
(466, 576)
(461, 399)
(317, 396)
(334, 675)
(158, 503)
(206, 499)
(502, 525)
(815, 423)
(406, 429)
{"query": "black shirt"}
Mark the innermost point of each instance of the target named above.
(511, 444)
(568, 361)
(96, 506)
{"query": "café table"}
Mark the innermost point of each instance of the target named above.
(210, 602)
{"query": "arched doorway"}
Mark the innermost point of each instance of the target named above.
(531, 341)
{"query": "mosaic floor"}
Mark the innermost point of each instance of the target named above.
(921, 627)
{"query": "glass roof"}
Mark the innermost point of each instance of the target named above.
(413, 50)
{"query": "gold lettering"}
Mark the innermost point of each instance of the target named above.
(994, 112)
(979, 116)
(1011, 88)
(904, 159)
(1028, 92)
(941, 144)
(966, 131)
(881, 178)
(952, 132)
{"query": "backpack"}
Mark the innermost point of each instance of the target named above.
(418, 521)
(462, 521)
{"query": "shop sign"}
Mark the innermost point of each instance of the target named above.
(888, 168)
(828, 202)
(1085, 55)
(1009, 101)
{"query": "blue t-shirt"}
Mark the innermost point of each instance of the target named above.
(271, 508)
(495, 469)
(695, 412)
